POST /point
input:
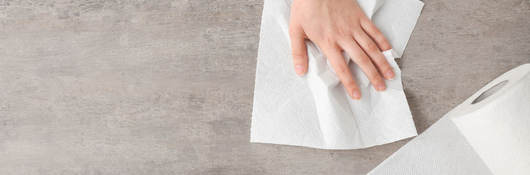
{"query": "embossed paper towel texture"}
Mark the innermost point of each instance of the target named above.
(491, 136)
(314, 110)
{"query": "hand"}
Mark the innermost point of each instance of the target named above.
(336, 26)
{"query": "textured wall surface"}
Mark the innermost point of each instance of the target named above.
(165, 86)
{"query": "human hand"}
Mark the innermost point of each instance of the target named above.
(336, 26)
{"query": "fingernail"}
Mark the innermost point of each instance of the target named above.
(380, 87)
(356, 95)
(389, 75)
(299, 69)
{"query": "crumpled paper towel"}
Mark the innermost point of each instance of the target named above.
(315, 110)
(490, 135)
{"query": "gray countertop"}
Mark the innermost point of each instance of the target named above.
(165, 87)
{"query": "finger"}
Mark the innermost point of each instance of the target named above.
(361, 59)
(343, 71)
(371, 49)
(299, 50)
(370, 28)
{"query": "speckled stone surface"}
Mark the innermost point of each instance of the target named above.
(165, 87)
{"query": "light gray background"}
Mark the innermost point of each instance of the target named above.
(165, 87)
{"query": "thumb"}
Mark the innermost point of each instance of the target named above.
(299, 50)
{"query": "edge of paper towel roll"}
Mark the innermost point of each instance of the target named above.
(512, 77)
(515, 78)
(497, 127)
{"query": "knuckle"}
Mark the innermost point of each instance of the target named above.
(340, 70)
(378, 35)
(380, 60)
(326, 42)
(356, 28)
(384, 43)
(297, 55)
(368, 24)
(349, 84)
(385, 67)
(380, 39)
(358, 32)
(329, 40)
(371, 47)
(363, 61)
(374, 77)
(343, 32)
(364, 20)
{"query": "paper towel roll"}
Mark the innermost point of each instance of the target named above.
(489, 133)
(498, 126)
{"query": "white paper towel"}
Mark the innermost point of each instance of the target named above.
(487, 136)
(315, 110)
